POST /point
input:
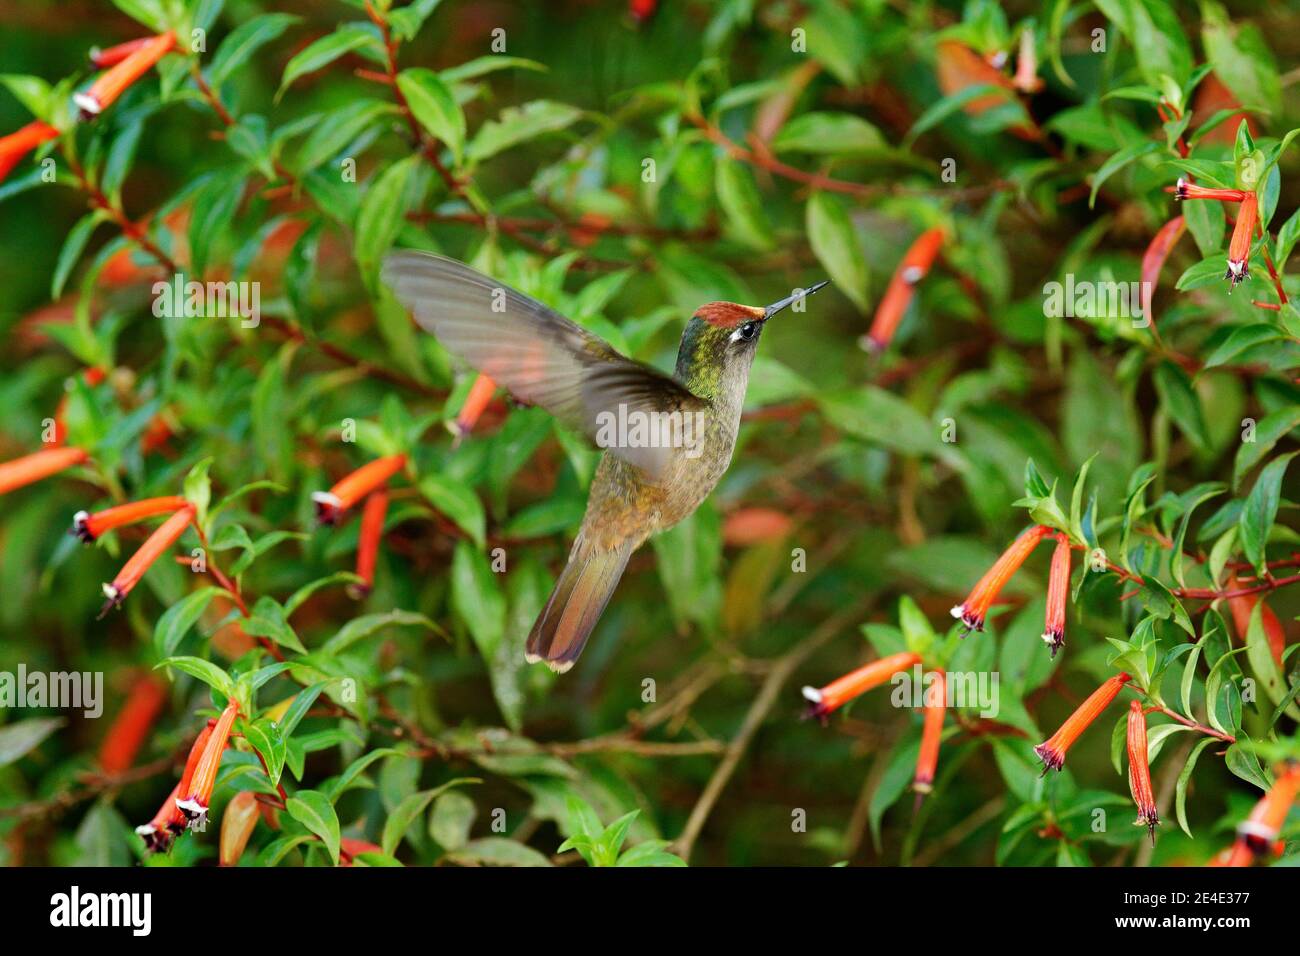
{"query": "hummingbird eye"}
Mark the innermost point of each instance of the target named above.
(746, 332)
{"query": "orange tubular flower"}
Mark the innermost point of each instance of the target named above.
(1058, 588)
(838, 693)
(936, 702)
(124, 738)
(372, 529)
(115, 81)
(1026, 79)
(163, 538)
(916, 263)
(330, 505)
(1260, 830)
(973, 611)
(88, 526)
(1239, 247)
(1052, 751)
(103, 59)
(1139, 770)
(169, 820)
(17, 145)
(1185, 190)
(1239, 854)
(41, 464)
(193, 802)
(480, 393)
(237, 825)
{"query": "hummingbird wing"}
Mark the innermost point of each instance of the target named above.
(541, 357)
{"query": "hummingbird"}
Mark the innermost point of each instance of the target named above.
(667, 440)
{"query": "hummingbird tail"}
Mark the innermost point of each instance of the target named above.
(580, 595)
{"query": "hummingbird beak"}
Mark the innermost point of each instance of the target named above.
(776, 307)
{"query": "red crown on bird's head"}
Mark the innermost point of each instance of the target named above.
(728, 315)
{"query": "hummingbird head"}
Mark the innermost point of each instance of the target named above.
(720, 341)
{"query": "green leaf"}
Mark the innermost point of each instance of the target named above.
(21, 738)
(314, 811)
(73, 246)
(1262, 663)
(245, 40)
(362, 627)
(269, 741)
(1268, 431)
(434, 106)
(1242, 338)
(177, 620)
(338, 130)
(878, 416)
(477, 598)
(458, 502)
(1117, 162)
(835, 243)
(322, 52)
(267, 619)
(1260, 510)
(206, 671)
(1179, 399)
(828, 133)
(482, 65)
(1184, 777)
(404, 814)
(743, 205)
(519, 124)
(381, 215)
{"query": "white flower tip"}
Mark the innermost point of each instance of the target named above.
(812, 694)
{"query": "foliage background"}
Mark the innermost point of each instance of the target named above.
(843, 444)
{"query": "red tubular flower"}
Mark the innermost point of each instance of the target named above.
(480, 393)
(973, 611)
(41, 464)
(1052, 751)
(330, 505)
(1058, 588)
(18, 144)
(372, 529)
(88, 526)
(1243, 606)
(115, 81)
(1239, 247)
(169, 820)
(127, 734)
(163, 538)
(1260, 830)
(916, 263)
(1026, 79)
(747, 526)
(1185, 190)
(237, 825)
(839, 692)
(350, 847)
(936, 702)
(194, 799)
(103, 59)
(1139, 770)
(1153, 260)
(159, 832)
